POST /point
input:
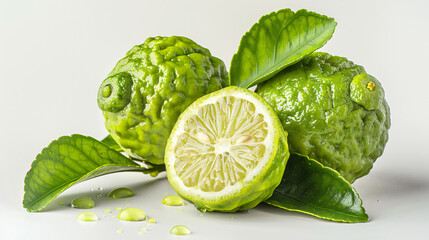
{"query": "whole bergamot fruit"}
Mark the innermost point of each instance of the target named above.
(333, 111)
(145, 93)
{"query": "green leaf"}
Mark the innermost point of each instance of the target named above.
(309, 187)
(68, 161)
(278, 40)
(109, 141)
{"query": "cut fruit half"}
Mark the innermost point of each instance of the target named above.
(227, 151)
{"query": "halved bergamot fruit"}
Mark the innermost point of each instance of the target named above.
(227, 151)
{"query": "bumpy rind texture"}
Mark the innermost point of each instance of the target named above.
(145, 93)
(331, 113)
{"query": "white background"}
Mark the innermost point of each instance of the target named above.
(54, 54)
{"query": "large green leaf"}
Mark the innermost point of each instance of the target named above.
(68, 161)
(278, 40)
(309, 187)
(109, 141)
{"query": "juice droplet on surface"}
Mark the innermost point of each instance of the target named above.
(83, 203)
(173, 200)
(180, 230)
(121, 193)
(151, 220)
(118, 209)
(132, 214)
(87, 216)
(61, 203)
(119, 230)
(180, 209)
(107, 211)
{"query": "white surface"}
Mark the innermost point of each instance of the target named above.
(54, 54)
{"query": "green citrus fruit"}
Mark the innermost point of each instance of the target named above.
(227, 151)
(145, 93)
(333, 111)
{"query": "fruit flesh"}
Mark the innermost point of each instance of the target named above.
(227, 152)
(330, 113)
(234, 142)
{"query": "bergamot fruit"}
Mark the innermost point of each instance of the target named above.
(227, 151)
(145, 93)
(333, 111)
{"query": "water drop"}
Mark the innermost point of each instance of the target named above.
(121, 193)
(132, 214)
(87, 216)
(100, 188)
(180, 230)
(83, 203)
(172, 200)
(98, 195)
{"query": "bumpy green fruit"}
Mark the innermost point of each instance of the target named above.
(145, 93)
(333, 111)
